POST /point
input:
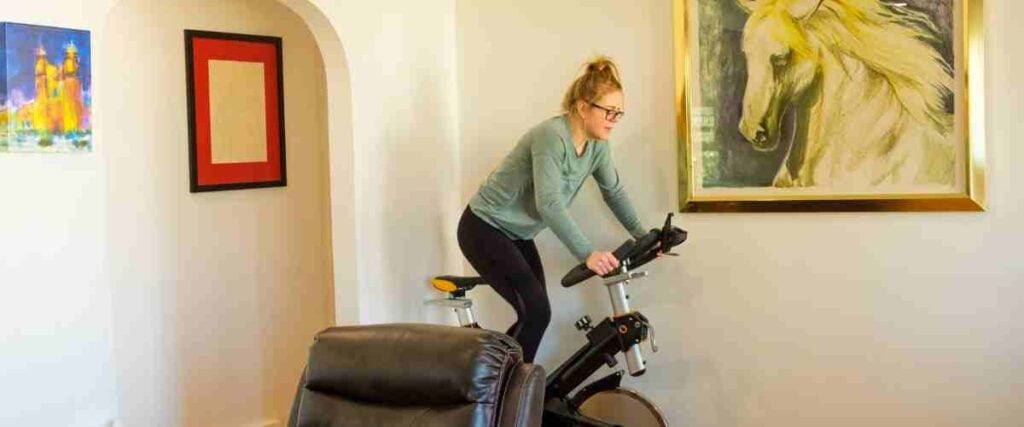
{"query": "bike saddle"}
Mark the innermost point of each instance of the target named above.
(456, 283)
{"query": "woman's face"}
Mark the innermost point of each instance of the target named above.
(601, 116)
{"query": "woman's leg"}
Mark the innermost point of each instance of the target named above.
(499, 261)
(534, 296)
(529, 250)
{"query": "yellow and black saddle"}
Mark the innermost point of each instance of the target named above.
(456, 286)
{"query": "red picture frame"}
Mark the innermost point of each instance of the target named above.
(268, 167)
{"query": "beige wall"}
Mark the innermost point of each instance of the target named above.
(111, 270)
(216, 295)
(767, 319)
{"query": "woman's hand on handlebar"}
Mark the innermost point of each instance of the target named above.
(602, 263)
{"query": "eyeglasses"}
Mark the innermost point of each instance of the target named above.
(610, 114)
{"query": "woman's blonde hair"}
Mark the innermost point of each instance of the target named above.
(600, 76)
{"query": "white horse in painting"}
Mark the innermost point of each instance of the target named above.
(867, 88)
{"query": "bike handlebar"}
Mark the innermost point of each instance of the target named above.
(635, 252)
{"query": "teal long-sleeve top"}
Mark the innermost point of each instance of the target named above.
(539, 179)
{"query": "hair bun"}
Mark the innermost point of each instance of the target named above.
(601, 76)
(600, 64)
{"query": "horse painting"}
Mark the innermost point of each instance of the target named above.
(865, 86)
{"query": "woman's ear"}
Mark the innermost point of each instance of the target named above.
(581, 107)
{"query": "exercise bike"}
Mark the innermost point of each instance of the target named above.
(601, 403)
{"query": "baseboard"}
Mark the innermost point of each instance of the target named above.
(266, 423)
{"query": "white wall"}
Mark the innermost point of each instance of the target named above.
(55, 344)
(405, 136)
(216, 295)
(840, 319)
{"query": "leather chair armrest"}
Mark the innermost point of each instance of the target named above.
(522, 403)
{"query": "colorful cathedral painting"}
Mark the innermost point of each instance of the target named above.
(45, 89)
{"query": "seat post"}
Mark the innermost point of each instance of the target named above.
(463, 309)
(456, 287)
(465, 313)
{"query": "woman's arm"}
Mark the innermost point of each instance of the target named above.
(615, 195)
(547, 153)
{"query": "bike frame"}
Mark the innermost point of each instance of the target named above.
(621, 333)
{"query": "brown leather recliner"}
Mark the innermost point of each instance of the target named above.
(417, 375)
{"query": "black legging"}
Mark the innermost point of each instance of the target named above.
(513, 269)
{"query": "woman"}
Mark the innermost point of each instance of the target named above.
(532, 190)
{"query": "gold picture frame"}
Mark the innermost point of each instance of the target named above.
(820, 177)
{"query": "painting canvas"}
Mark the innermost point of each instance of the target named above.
(828, 105)
(236, 111)
(45, 89)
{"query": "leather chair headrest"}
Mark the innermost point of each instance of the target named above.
(411, 364)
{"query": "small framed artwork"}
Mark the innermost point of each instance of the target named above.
(830, 105)
(45, 89)
(235, 111)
